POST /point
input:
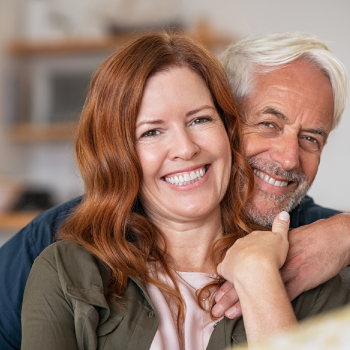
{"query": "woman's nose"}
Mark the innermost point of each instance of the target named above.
(183, 146)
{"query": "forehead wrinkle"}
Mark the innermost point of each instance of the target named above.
(275, 112)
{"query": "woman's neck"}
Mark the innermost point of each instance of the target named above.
(189, 243)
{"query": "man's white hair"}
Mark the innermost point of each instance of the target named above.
(266, 53)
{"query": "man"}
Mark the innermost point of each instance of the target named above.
(288, 112)
(291, 93)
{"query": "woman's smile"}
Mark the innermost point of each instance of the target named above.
(183, 178)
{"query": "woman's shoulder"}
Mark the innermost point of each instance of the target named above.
(66, 249)
(75, 266)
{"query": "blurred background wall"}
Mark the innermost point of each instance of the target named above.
(60, 42)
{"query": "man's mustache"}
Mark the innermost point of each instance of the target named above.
(275, 169)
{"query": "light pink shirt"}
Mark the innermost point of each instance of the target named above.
(198, 323)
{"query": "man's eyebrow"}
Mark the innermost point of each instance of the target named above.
(319, 131)
(275, 112)
(188, 114)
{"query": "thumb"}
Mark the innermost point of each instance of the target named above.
(281, 224)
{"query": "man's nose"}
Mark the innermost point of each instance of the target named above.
(285, 151)
(183, 146)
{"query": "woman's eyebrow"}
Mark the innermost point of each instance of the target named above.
(199, 109)
(150, 122)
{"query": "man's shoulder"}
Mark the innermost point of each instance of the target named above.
(40, 232)
(56, 215)
(308, 212)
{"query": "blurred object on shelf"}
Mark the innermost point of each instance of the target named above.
(22, 206)
(122, 16)
(32, 199)
(38, 22)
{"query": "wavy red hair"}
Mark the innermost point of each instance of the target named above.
(110, 221)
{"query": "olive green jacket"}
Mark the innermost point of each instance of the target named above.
(65, 306)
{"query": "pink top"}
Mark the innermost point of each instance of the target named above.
(198, 324)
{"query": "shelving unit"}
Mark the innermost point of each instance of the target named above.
(29, 50)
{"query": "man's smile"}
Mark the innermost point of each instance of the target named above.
(270, 180)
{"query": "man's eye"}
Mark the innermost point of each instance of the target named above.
(311, 139)
(269, 125)
(310, 144)
(151, 133)
(201, 120)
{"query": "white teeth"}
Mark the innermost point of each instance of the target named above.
(270, 180)
(187, 178)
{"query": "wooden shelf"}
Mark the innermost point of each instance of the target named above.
(43, 132)
(16, 221)
(68, 45)
(19, 47)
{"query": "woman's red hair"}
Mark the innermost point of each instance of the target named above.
(110, 221)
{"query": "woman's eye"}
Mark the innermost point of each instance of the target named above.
(201, 120)
(151, 133)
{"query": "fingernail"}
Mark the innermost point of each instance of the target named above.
(231, 313)
(218, 296)
(284, 216)
(217, 309)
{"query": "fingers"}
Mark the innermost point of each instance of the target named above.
(225, 301)
(223, 290)
(281, 224)
(234, 311)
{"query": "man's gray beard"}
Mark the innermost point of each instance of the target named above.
(284, 202)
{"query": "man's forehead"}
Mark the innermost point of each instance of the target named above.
(298, 91)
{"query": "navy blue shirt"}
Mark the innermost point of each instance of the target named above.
(19, 253)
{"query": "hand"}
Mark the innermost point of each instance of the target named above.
(257, 251)
(317, 252)
(252, 264)
(227, 302)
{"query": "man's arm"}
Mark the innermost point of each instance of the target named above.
(16, 259)
(317, 253)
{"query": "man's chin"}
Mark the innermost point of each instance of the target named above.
(263, 208)
(262, 216)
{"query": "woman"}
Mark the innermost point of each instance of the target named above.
(158, 148)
